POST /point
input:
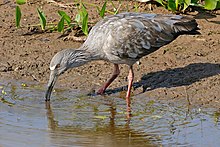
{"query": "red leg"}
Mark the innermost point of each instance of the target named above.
(130, 80)
(115, 74)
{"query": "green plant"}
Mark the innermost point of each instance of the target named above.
(42, 17)
(43, 22)
(182, 5)
(175, 5)
(82, 18)
(212, 4)
(18, 12)
(65, 22)
(102, 11)
(18, 16)
(116, 9)
(66, 18)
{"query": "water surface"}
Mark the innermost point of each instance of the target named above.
(74, 119)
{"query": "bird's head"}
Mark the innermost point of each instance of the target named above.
(58, 65)
(61, 62)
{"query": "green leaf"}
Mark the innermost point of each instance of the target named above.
(82, 19)
(65, 16)
(171, 5)
(20, 2)
(77, 18)
(176, 4)
(186, 4)
(196, 5)
(218, 5)
(85, 24)
(210, 4)
(42, 19)
(60, 26)
(160, 2)
(17, 16)
(102, 12)
(194, 1)
(84, 11)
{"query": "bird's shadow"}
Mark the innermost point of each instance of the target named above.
(182, 76)
(207, 15)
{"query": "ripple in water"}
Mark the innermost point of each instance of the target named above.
(73, 119)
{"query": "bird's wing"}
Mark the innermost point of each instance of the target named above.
(133, 35)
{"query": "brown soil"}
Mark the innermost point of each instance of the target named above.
(186, 69)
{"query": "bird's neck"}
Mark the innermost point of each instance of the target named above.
(82, 56)
(88, 53)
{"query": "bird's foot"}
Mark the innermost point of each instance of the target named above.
(101, 91)
(47, 100)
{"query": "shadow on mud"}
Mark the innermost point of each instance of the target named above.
(206, 15)
(168, 78)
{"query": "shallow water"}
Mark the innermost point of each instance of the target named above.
(74, 119)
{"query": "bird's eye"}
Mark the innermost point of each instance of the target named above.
(58, 66)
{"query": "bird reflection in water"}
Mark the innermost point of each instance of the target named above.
(108, 134)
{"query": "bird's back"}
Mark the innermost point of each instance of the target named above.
(125, 38)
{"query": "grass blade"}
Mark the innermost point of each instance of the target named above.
(17, 16)
(60, 26)
(85, 24)
(160, 2)
(177, 4)
(84, 19)
(42, 19)
(84, 11)
(186, 4)
(102, 11)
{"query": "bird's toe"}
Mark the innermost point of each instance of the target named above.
(101, 91)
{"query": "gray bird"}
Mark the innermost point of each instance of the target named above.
(121, 39)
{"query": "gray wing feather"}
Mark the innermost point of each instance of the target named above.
(134, 35)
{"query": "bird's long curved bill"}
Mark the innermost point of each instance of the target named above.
(51, 83)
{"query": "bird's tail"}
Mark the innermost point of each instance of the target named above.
(185, 25)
